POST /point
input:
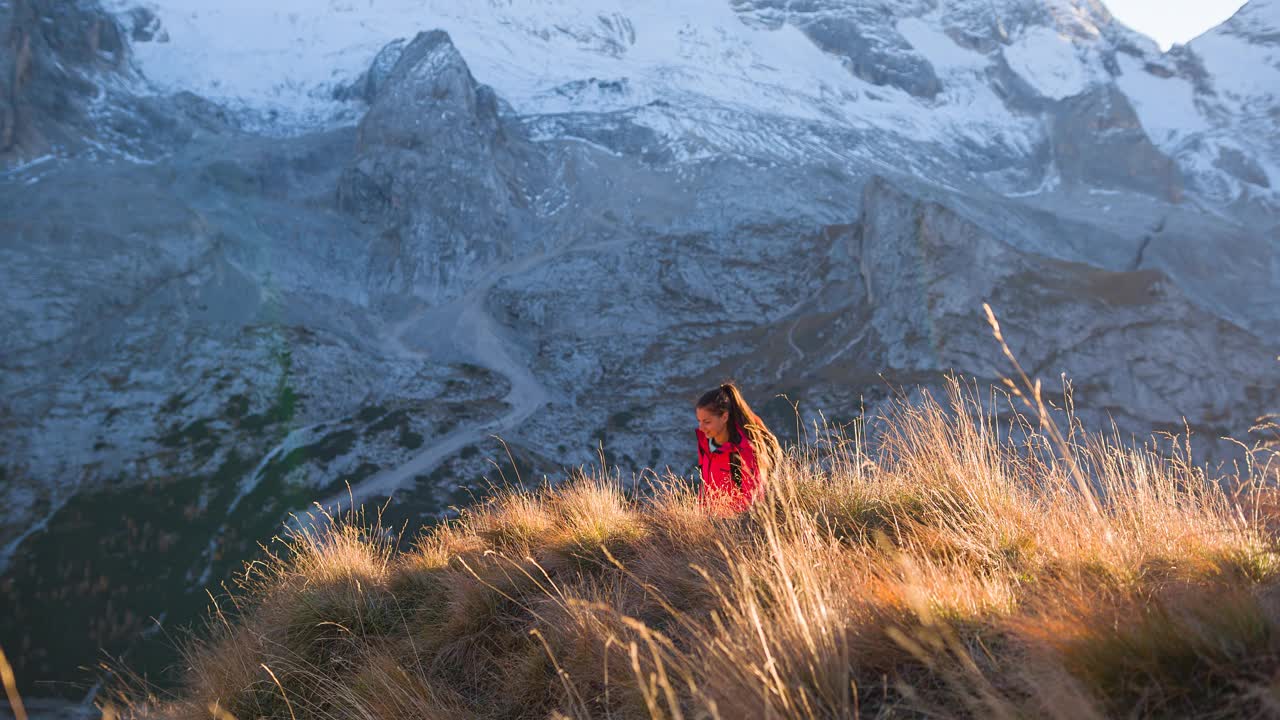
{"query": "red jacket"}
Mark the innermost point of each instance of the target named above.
(730, 475)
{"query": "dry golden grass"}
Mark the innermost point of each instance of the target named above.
(955, 573)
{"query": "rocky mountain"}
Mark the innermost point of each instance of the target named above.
(253, 256)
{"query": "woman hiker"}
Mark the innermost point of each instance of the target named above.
(735, 451)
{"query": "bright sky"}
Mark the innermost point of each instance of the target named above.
(1172, 21)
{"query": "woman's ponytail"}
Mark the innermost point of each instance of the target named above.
(727, 398)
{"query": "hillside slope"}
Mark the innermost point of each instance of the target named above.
(952, 575)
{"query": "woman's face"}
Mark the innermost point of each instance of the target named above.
(712, 425)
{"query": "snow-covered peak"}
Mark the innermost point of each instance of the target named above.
(798, 59)
(841, 62)
(1077, 19)
(286, 57)
(961, 74)
(1258, 21)
(1239, 93)
(1243, 54)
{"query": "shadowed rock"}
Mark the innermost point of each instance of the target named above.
(50, 52)
(1099, 141)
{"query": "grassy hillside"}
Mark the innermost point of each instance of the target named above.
(952, 574)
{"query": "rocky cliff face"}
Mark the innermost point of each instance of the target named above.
(558, 224)
(68, 87)
(53, 50)
(1117, 333)
(443, 180)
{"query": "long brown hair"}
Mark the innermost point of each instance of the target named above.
(727, 398)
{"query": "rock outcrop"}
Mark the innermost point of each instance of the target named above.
(55, 54)
(439, 173)
(1135, 347)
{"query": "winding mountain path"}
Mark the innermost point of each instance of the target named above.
(474, 334)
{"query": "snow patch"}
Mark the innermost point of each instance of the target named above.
(23, 167)
(1165, 106)
(1049, 62)
(941, 51)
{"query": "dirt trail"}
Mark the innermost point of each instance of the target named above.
(476, 336)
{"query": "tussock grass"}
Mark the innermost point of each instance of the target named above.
(965, 569)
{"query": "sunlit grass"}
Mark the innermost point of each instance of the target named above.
(954, 572)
